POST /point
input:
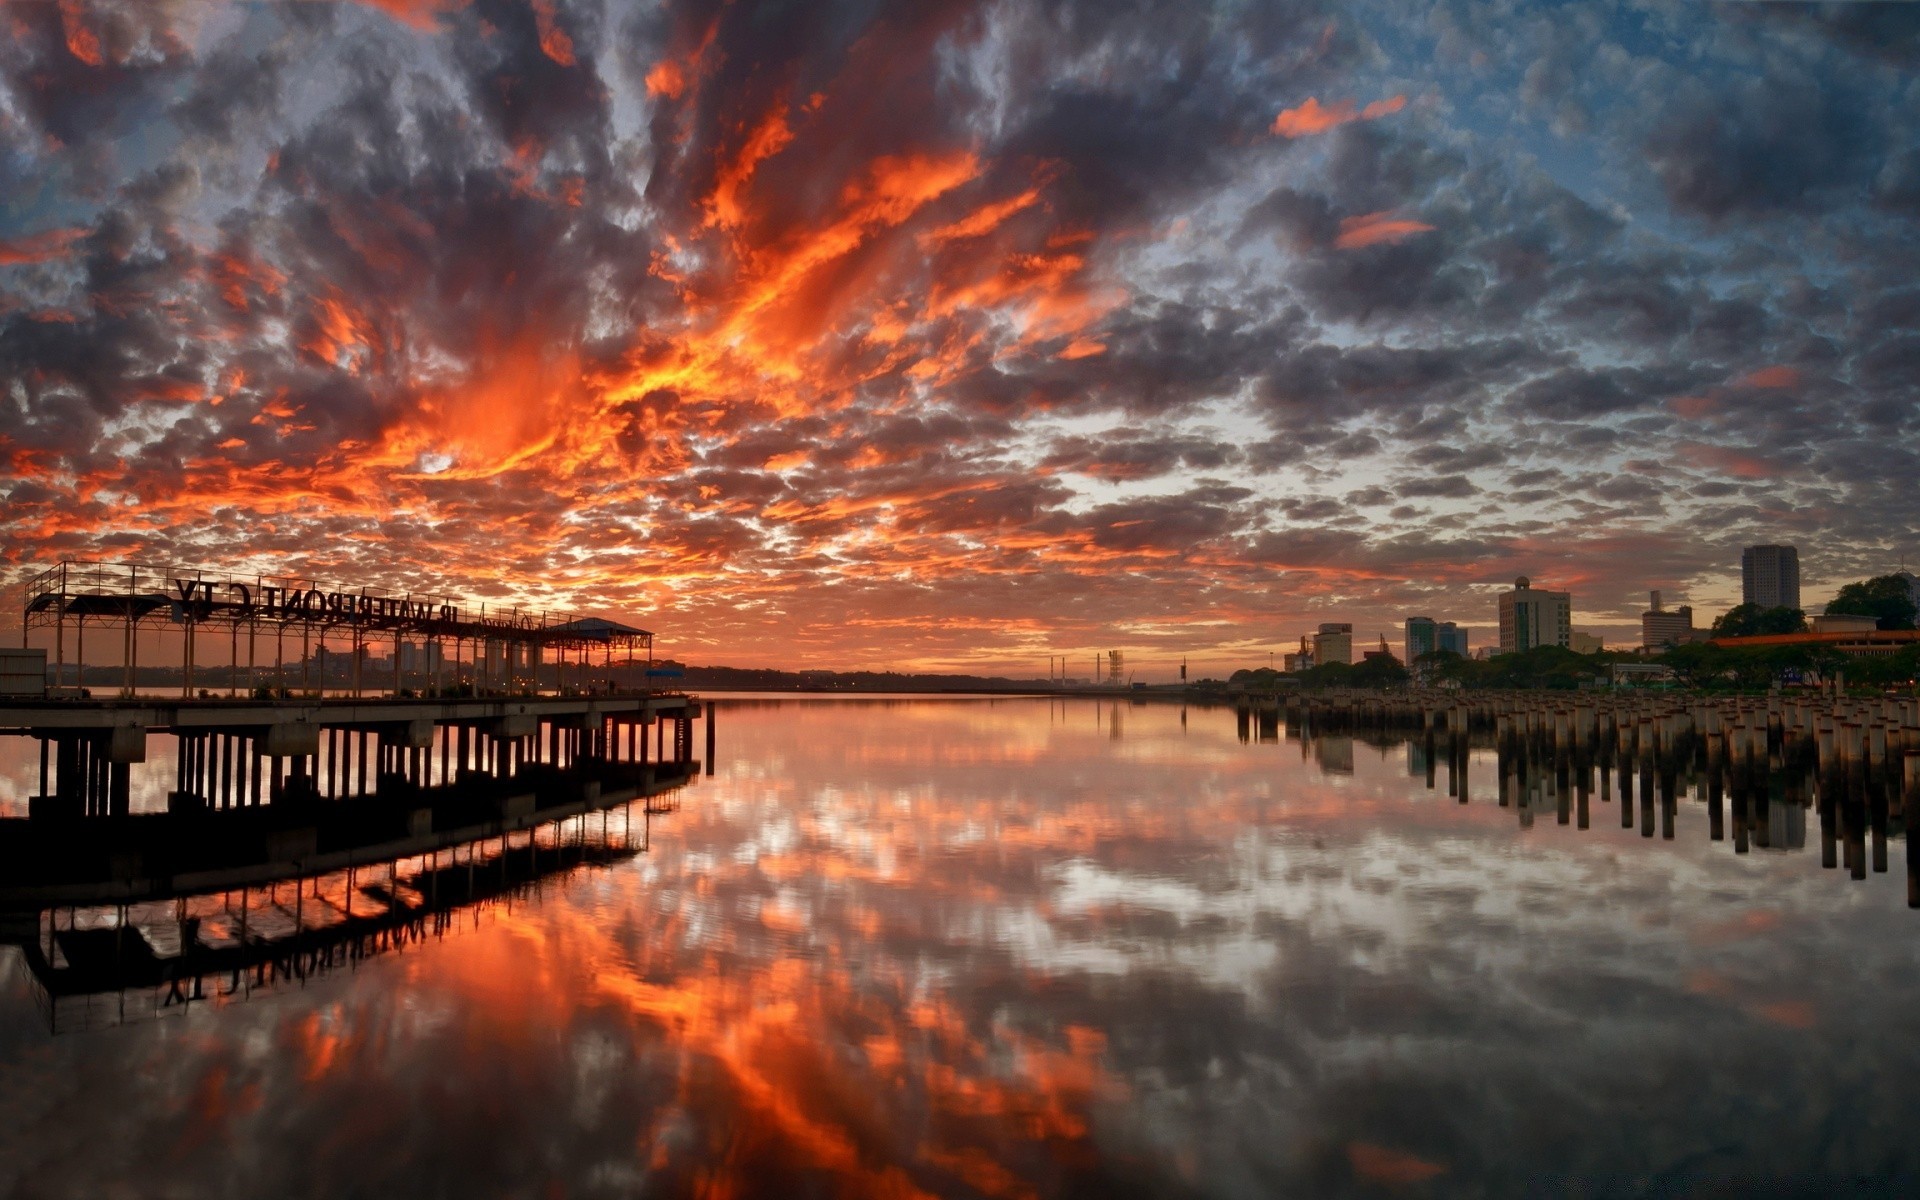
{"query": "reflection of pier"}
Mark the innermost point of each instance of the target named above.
(230, 904)
(1763, 769)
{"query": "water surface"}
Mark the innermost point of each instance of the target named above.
(1019, 947)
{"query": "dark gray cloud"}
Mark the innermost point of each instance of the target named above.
(977, 302)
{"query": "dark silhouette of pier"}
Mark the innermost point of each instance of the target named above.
(150, 914)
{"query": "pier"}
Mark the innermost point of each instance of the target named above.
(321, 801)
(243, 754)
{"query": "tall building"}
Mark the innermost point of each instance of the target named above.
(1531, 617)
(1770, 576)
(1334, 643)
(1422, 638)
(1658, 627)
(1116, 667)
(1426, 635)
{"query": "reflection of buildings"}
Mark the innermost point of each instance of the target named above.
(1531, 617)
(1658, 627)
(1334, 753)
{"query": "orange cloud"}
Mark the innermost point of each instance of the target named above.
(1729, 461)
(421, 14)
(982, 220)
(666, 79)
(1376, 227)
(38, 247)
(767, 139)
(1788, 1014)
(554, 42)
(1312, 117)
(82, 42)
(1772, 377)
(1381, 1165)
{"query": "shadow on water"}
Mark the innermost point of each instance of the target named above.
(146, 915)
(1763, 785)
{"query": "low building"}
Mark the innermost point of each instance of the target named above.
(1865, 641)
(1585, 643)
(1844, 623)
(1660, 628)
(1639, 674)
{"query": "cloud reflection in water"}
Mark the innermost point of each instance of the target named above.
(988, 948)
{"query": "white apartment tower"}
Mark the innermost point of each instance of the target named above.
(1532, 617)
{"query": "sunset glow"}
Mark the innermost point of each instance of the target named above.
(956, 335)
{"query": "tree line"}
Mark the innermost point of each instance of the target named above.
(1696, 665)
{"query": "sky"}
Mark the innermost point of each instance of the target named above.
(953, 335)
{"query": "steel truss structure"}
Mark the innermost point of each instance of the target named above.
(511, 650)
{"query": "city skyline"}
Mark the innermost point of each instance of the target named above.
(955, 335)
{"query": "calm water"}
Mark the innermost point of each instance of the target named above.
(1010, 948)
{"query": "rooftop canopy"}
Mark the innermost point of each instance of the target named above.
(593, 629)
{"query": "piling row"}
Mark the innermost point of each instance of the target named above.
(85, 773)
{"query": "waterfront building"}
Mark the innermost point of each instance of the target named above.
(1333, 643)
(1531, 617)
(1844, 623)
(1422, 638)
(1770, 576)
(1659, 628)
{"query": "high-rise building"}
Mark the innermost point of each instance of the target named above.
(1658, 627)
(1531, 617)
(1422, 638)
(1770, 576)
(1116, 667)
(1334, 643)
(1426, 635)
